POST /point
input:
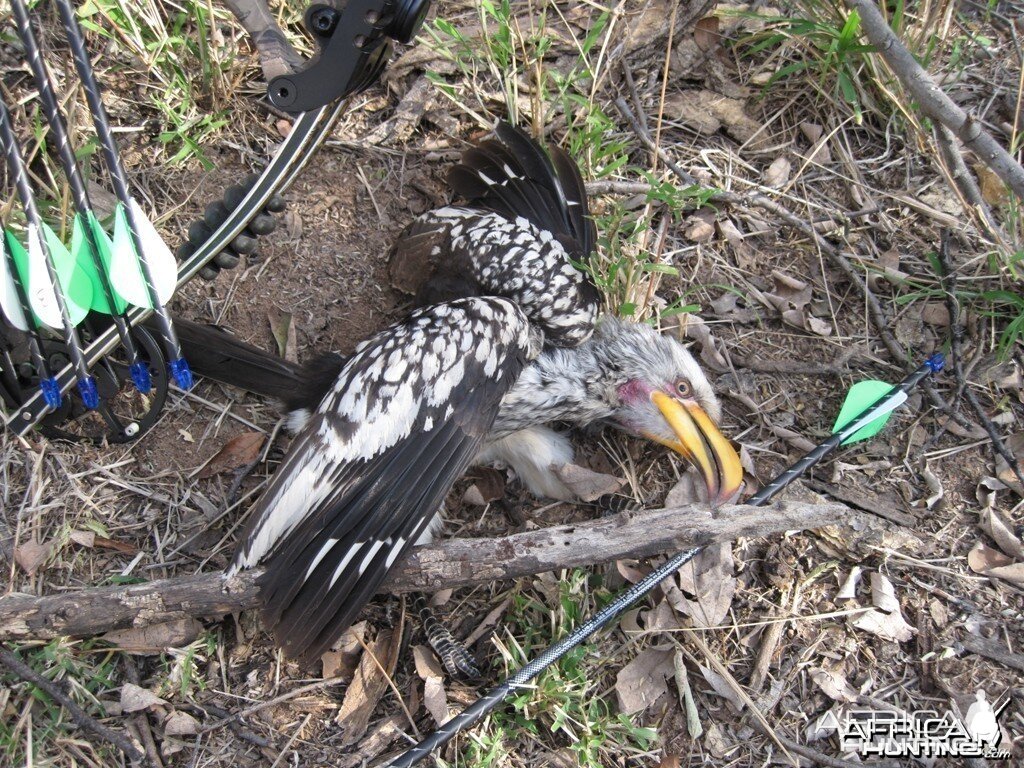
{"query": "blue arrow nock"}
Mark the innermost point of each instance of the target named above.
(90, 396)
(181, 372)
(140, 377)
(51, 392)
(936, 362)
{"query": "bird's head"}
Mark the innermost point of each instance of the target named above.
(657, 390)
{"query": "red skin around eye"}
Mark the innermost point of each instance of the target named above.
(635, 391)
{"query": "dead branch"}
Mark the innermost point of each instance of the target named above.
(934, 102)
(451, 563)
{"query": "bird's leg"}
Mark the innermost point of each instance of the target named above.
(456, 659)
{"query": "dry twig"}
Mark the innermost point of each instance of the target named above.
(79, 716)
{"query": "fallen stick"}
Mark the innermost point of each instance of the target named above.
(933, 101)
(447, 564)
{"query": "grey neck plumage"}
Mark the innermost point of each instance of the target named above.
(560, 385)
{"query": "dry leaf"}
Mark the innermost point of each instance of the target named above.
(1015, 445)
(490, 621)
(367, 686)
(343, 657)
(712, 352)
(83, 538)
(669, 761)
(746, 257)
(642, 682)
(849, 589)
(689, 490)
(820, 152)
(180, 724)
(282, 326)
(31, 555)
(708, 577)
(586, 484)
(981, 559)
(136, 699)
(834, 684)
(995, 526)
(723, 688)
(284, 127)
(155, 638)
(238, 452)
(777, 174)
(934, 485)
(993, 190)
(435, 699)
(886, 621)
(706, 34)
(427, 665)
(1013, 573)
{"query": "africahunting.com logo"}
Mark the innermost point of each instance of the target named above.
(922, 733)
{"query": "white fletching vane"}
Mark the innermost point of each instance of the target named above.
(9, 301)
(125, 270)
(41, 290)
(162, 266)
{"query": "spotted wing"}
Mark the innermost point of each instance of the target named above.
(370, 468)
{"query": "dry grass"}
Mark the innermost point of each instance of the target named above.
(876, 190)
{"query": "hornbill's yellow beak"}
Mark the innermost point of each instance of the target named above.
(702, 444)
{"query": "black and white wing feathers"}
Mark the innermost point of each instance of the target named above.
(524, 225)
(373, 464)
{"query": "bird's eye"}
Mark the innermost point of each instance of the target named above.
(683, 388)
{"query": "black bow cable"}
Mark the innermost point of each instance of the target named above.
(476, 711)
(83, 207)
(19, 174)
(176, 363)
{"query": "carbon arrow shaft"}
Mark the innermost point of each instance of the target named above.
(79, 194)
(16, 165)
(119, 180)
(476, 711)
(47, 382)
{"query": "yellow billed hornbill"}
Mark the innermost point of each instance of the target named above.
(477, 378)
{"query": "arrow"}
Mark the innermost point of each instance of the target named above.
(90, 246)
(880, 408)
(142, 269)
(14, 303)
(58, 293)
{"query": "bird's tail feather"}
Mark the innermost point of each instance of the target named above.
(510, 174)
(217, 354)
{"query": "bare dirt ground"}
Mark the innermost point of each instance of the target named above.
(758, 642)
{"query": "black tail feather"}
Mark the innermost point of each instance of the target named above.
(217, 354)
(511, 175)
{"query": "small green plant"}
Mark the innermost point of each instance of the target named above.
(84, 670)
(827, 45)
(189, 85)
(565, 700)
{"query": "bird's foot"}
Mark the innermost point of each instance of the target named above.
(457, 660)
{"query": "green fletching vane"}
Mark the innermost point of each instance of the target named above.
(81, 249)
(862, 396)
(74, 282)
